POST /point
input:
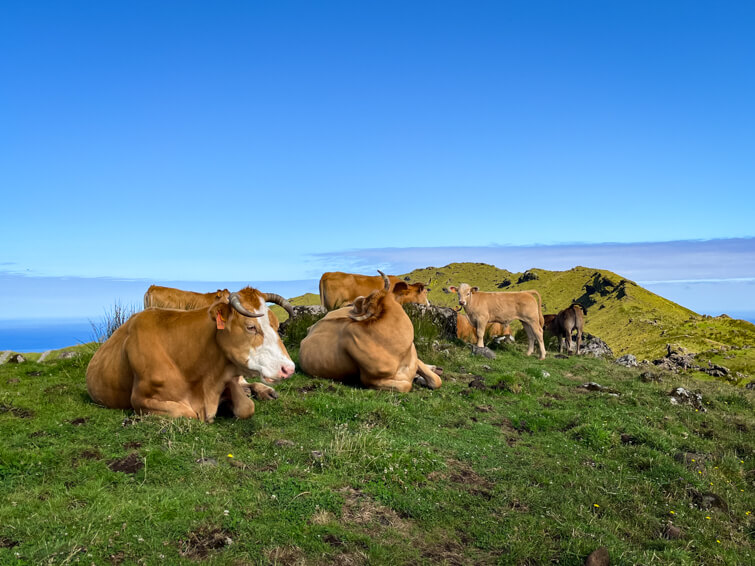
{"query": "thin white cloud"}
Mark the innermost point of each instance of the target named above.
(654, 261)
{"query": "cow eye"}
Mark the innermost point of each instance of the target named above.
(252, 329)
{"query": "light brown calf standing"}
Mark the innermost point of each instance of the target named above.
(484, 308)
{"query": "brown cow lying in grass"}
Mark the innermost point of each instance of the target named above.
(466, 332)
(483, 308)
(337, 289)
(563, 324)
(373, 340)
(183, 363)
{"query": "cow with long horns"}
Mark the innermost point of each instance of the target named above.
(372, 341)
(183, 363)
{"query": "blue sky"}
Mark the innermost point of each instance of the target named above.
(247, 141)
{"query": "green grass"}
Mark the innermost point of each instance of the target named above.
(527, 470)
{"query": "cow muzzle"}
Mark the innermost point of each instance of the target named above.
(284, 372)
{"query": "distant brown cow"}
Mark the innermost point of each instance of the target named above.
(170, 298)
(483, 308)
(564, 323)
(466, 332)
(338, 289)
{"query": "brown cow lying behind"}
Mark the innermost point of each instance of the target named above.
(337, 289)
(183, 363)
(170, 298)
(373, 340)
(466, 332)
(563, 324)
(483, 308)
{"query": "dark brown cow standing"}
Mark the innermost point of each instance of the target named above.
(564, 324)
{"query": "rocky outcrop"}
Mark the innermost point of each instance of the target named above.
(682, 396)
(629, 361)
(594, 346)
(679, 359)
(528, 276)
(443, 318)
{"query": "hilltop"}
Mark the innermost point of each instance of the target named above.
(629, 318)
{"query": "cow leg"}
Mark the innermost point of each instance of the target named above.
(243, 406)
(579, 339)
(568, 342)
(400, 385)
(534, 332)
(168, 408)
(560, 344)
(427, 372)
(480, 326)
(530, 338)
(262, 391)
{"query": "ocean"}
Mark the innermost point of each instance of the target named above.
(39, 335)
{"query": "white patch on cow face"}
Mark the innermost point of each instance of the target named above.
(269, 359)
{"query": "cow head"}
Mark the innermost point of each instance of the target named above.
(465, 293)
(248, 335)
(411, 293)
(370, 308)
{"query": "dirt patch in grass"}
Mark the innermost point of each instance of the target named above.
(198, 544)
(445, 552)
(128, 465)
(286, 556)
(19, 412)
(6, 542)
(473, 483)
(363, 510)
(354, 558)
(79, 421)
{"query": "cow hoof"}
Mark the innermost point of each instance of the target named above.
(437, 370)
(419, 380)
(268, 395)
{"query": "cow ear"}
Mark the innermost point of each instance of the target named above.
(419, 286)
(400, 287)
(220, 313)
(358, 307)
(475, 289)
(452, 289)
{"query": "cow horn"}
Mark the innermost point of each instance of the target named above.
(278, 300)
(385, 280)
(235, 302)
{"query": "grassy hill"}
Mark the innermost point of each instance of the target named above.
(630, 319)
(511, 461)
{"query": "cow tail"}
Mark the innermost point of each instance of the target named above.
(322, 294)
(540, 310)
